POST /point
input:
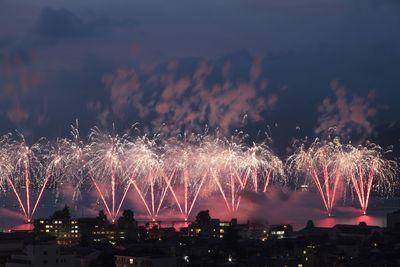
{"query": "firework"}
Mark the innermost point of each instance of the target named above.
(31, 170)
(186, 160)
(177, 173)
(367, 170)
(322, 162)
(262, 166)
(106, 154)
(144, 171)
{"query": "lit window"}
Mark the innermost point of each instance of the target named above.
(221, 231)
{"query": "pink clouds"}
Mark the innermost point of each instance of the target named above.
(256, 69)
(17, 114)
(18, 81)
(191, 100)
(348, 116)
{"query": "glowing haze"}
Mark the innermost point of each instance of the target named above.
(183, 170)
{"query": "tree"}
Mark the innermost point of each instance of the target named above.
(128, 224)
(63, 214)
(203, 217)
(102, 218)
(127, 216)
(310, 224)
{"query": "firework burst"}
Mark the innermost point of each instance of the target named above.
(179, 172)
(106, 154)
(321, 162)
(144, 172)
(367, 170)
(32, 169)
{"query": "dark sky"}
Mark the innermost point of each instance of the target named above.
(292, 68)
(299, 66)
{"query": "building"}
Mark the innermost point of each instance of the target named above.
(42, 254)
(280, 231)
(158, 254)
(12, 243)
(72, 232)
(144, 261)
(65, 232)
(355, 232)
(393, 220)
(212, 229)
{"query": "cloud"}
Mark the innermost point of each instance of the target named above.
(18, 80)
(57, 25)
(190, 97)
(348, 116)
(17, 114)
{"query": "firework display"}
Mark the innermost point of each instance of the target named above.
(366, 169)
(29, 170)
(176, 173)
(332, 165)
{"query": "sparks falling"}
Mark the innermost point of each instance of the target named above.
(332, 165)
(29, 170)
(366, 170)
(321, 163)
(177, 173)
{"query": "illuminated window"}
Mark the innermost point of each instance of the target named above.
(299, 265)
(131, 261)
(221, 236)
(221, 231)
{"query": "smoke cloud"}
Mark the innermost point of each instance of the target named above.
(190, 97)
(349, 116)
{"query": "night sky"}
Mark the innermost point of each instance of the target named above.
(291, 68)
(184, 63)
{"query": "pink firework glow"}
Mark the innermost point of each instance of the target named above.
(367, 170)
(106, 154)
(185, 159)
(332, 165)
(234, 167)
(29, 170)
(320, 162)
(176, 173)
(145, 176)
(178, 170)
